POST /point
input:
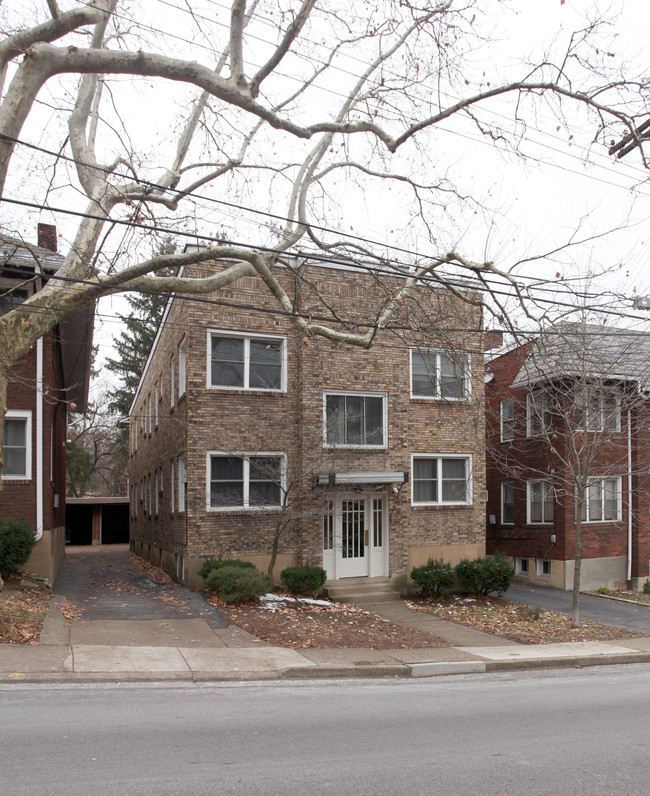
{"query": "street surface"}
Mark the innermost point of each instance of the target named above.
(557, 732)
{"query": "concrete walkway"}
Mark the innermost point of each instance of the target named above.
(180, 638)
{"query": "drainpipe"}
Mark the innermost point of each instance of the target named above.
(39, 439)
(629, 498)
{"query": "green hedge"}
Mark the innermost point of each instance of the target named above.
(489, 575)
(16, 543)
(303, 580)
(236, 584)
(211, 563)
(434, 578)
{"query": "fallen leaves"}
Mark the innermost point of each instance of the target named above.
(22, 613)
(521, 623)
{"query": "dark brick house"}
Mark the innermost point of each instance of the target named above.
(373, 457)
(569, 409)
(52, 376)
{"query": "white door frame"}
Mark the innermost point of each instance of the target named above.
(362, 549)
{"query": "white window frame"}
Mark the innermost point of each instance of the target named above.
(586, 503)
(245, 456)
(172, 381)
(507, 423)
(246, 339)
(439, 458)
(182, 481)
(600, 411)
(361, 446)
(530, 484)
(26, 417)
(453, 356)
(172, 491)
(504, 485)
(539, 566)
(182, 367)
(522, 566)
(538, 416)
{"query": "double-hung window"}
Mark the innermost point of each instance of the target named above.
(507, 420)
(182, 367)
(355, 419)
(245, 481)
(17, 445)
(602, 500)
(507, 503)
(538, 413)
(597, 410)
(540, 501)
(246, 363)
(439, 375)
(441, 480)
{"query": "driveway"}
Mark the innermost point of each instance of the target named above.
(108, 586)
(608, 612)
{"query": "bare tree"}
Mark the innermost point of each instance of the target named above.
(300, 103)
(568, 423)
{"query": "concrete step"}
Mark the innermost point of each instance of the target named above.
(361, 590)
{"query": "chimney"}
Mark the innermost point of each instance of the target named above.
(47, 237)
(493, 339)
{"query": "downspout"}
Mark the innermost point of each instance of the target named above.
(629, 497)
(39, 439)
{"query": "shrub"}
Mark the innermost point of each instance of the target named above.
(211, 563)
(303, 580)
(236, 584)
(492, 574)
(16, 543)
(603, 590)
(646, 587)
(434, 577)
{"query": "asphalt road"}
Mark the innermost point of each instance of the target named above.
(598, 609)
(556, 732)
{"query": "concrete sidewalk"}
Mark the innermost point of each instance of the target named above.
(189, 649)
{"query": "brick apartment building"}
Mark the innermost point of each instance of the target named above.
(372, 457)
(54, 374)
(568, 406)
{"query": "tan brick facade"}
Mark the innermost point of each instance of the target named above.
(167, 428)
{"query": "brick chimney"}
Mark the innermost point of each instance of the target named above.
(47, 237)
(493, 339)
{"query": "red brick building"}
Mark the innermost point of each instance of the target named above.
(373, 457)
(567, 415)
(54, 374)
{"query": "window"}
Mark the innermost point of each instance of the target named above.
(245, 481)
(521, 566)
(182, 483)
(10, 299)
(507, 503)
(538, 413)
(597, 410)
(441, 480)
(435, 374)
(543, 568)
(182, 367)
(602, 501)
(17, 445)
(355, 419)
(540, 501)
(246, 363)
(172, 381)
(328, 525)
(507, 420)
(172, 491)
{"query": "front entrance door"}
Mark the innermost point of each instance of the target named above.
(355, 536)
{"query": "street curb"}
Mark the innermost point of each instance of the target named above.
(346, 672)
(565, 663)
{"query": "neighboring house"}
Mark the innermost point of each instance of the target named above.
(42, 385)
(371, 458)
(568, 415)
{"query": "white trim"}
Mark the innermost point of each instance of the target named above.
(544, 521)
(439, 457)
(246, 337)
(182, 366)
(26, 415)
(466, 379)
(511, 402)
(245, 456)
(503, 521)
(40, 521)
(600, 479)
(354, 394)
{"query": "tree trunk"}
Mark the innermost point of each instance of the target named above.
(575, 604)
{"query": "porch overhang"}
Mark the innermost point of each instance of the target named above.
(332, 479)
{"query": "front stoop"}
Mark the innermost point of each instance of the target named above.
(361, 590)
